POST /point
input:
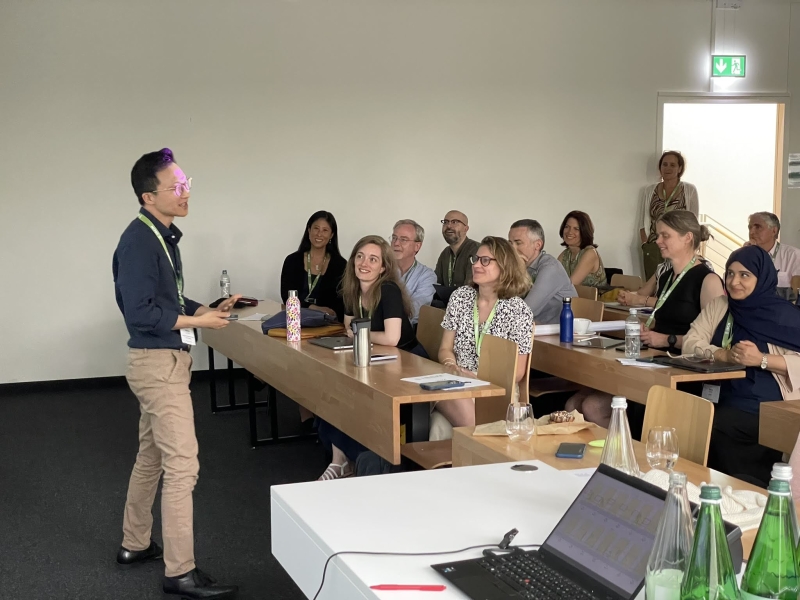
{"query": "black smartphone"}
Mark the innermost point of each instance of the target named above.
(566, 450)
(642, 347)
(232, 318)
(441, 385)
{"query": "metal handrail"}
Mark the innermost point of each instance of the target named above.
(718, 227)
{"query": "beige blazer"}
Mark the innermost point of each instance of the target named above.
(699, 337)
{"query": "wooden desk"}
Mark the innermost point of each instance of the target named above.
(484, 450)
(600, 369)
(362, 402)
(779, 425)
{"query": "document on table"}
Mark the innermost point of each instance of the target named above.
(468, 381)
(582, 473)
(632, 362)
(255, 317)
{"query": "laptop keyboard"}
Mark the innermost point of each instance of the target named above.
(531, 578)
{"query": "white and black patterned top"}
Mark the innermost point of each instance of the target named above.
(513, 320)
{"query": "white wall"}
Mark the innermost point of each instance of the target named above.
(373, 109)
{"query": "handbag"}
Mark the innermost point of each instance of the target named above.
(308, 318)
(651, 257)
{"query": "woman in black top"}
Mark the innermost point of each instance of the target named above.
(683, 288)
(316, 269)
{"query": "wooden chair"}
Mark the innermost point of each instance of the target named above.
(588, 309)
(584, 291)
(429, 330)
(691, 416)
(795, 285)
(629, 282)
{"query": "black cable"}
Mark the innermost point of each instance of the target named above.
(366, 553)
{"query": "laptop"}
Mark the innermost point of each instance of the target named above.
(700, 365)
(337, 342)
(597, 551)
(598, 342)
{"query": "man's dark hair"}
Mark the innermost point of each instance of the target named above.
(143, 174)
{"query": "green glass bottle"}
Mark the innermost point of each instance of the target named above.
(710, 575)
(772, 569)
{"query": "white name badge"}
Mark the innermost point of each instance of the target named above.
(187, 336)
(711, 392)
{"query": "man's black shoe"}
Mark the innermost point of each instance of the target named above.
(130, 557)
(197, 585)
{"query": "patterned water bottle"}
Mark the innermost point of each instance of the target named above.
(293, 317)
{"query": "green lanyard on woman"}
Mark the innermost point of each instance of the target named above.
(361, 310)
(481, 331)
(311, 285)
(727, 335)
(668, 200)
(668, 290)
(178, 276)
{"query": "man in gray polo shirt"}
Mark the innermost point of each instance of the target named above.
(551, 284)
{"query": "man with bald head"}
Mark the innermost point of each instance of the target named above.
(453, 268)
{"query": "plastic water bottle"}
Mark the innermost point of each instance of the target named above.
(633, 336)
(566, 321)
(783, 472)
(672, 546)
(618, 449)
(293, 317)
(225, 284)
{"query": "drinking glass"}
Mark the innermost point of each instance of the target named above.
(662, 448)
(519, 422)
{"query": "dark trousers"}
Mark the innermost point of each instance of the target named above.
(735, 449)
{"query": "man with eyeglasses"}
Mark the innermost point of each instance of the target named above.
(407, 237)
(148, 282)
(551, 284)
(453, 268)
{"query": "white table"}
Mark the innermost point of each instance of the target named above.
(423, 511)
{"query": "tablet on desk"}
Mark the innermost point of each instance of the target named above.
(599, 342)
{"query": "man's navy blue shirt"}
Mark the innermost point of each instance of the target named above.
(145, 286)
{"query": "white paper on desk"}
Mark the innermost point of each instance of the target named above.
(595, 327)
(632, 362)
(468, 381)
(254, 317)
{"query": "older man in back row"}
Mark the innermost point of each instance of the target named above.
(764, 228)
(551, 284)
(407, 238)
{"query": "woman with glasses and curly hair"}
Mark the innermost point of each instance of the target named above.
(371, 289)
(491, 304)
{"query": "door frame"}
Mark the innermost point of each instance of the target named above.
(781, 139)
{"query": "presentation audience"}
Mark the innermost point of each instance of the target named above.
(550, 282)
(491, 304)
(161, 322)
(764, 229)
(453, 267)
(753, 327)
(371, 289)
(581, 260)
(669, 194)
(316, 269)
(407, 238)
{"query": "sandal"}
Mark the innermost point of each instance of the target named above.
(335, 471)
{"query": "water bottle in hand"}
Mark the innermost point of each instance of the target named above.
(225, 284)
(633, 336)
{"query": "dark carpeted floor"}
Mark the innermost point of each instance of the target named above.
(65, 459)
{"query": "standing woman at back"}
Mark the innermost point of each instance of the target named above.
(671, 193)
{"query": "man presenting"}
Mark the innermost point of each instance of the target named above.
(407, 238)
(764, 228)
(453, 268)
(551, 284)
(148, 281)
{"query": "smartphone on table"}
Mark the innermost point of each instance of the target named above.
(568, 450)
(441, 385)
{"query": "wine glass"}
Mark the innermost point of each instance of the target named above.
(519, 422)
(662, 448)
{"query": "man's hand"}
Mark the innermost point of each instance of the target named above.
(227, 304)
(213, 319)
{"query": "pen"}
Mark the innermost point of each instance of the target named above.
(387, 587)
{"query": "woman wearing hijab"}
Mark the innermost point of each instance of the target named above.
(753, 327)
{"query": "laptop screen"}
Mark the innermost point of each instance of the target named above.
(608, 533)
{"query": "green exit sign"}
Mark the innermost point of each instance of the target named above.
(723, 65)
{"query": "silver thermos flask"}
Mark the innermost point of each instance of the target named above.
(362, 349)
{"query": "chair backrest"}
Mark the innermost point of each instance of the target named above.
(429, 330)
(629, 282)
(611, 271)
(585, 291)
(498, 365)
(587, 309)
(796, 283)
(691, 416)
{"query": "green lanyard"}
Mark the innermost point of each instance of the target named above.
(450, 269)
(728, 333)
(361, 310)
(774, 254)
(667, 200)
(668, 290)
(481, 331)
(408, 273)
(178, 277)
(311, 285)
